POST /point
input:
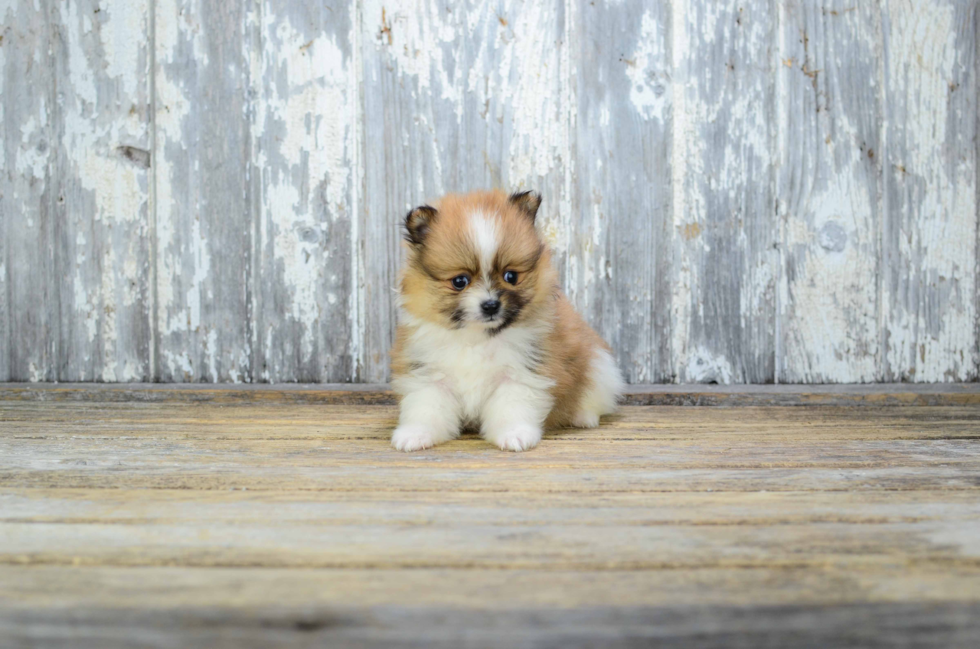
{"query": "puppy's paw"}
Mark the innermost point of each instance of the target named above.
(412, 438)
(585, 419)
(519, 438)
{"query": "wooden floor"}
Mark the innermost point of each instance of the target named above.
(202, 518)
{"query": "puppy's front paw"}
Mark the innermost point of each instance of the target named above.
(521, 438)
(412, 438)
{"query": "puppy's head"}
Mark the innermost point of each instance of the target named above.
(476, 260)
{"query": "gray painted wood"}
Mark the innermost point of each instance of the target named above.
(829, 185)
(949, 625)
(929, 233)
(724, 224)
(198, 192)
(455, 97)
(404, 94)
(28, 193)
(619, 270)
(101, 172)
(872, 395)
(204, 219)
(515, 96)
(303, 128)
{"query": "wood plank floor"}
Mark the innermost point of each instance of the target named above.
(187, 520)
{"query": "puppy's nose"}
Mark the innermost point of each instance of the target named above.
(490, 307)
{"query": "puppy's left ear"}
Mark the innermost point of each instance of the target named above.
(417, 224)
(527, 202)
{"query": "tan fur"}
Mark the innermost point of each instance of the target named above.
(427, 292)
(571, 346)
(425, 284)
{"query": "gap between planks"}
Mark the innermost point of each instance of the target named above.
(873, 394)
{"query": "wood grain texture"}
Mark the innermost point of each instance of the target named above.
(455, 97)
(102, 172)
(212, 524)
(303, 139)
(311, 613)
(204, 219)
(929, 233)
(407, 95)
(735, 192)
(619, 269)
(28, 195)
(828, 192)
(723, 290)
(873, 395)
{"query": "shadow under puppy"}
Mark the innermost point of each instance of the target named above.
(486, 338)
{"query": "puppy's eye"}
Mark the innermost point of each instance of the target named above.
(510, 277)
(460, 282)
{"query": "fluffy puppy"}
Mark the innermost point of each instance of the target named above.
(486, 339)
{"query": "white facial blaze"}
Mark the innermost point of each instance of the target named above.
(485, 235)
(485, 239)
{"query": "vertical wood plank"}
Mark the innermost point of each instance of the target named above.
(102, 172)
(929, 239)
(619, 275)
(514, 101)
(409, 142)
(6, 204)
(204, 220)
(828, 191)
(724, 218)
(303, 134)
(456, 97)
(27, 194)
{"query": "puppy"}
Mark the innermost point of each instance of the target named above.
(486, 339)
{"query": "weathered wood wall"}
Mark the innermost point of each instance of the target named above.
(753, 191)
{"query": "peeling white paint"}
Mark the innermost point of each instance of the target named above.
(480, 77)
(716, 196)
(415, 41)
(828, 311)
(704, 367)
(31, 160)
(682, 167)
(124, 19)
(173, 108)
(316, 92)
(648, 78)
(306, 89)
(939, 228)
(106, 194)
(3, 66)
(196, 292)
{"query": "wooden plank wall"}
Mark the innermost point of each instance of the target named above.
(754, 191)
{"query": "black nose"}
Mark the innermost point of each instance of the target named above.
(490, 307)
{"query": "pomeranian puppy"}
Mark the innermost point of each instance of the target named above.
(486, 339)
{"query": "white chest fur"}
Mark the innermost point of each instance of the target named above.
(470, 364)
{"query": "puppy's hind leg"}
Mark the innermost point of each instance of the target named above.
(603, 392)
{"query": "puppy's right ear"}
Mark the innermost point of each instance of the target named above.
(418, 223)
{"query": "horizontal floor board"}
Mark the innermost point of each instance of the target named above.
(953, 541)
(943, 625)
(256, 521)
(875, 394)
(25, 588)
